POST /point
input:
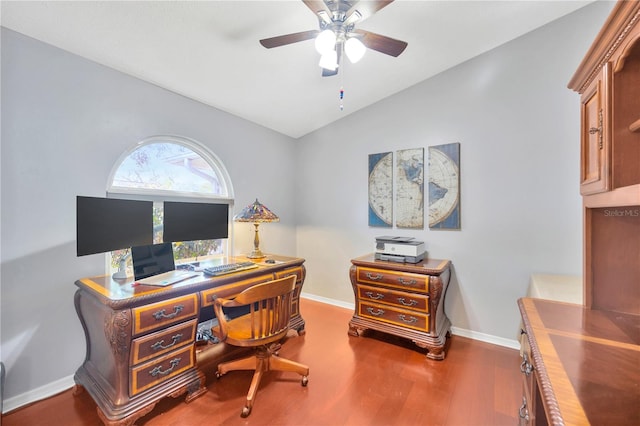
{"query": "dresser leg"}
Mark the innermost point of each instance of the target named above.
(434, 352)
(355, 331)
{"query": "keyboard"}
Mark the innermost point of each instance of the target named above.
(214, 271)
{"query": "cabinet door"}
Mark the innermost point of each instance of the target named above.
(595, 141)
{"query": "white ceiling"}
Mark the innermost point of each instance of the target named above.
(209, 50)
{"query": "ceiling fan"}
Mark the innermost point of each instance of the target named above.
(337, 33)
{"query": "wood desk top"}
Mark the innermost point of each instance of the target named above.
(587, 362)
(126, 292)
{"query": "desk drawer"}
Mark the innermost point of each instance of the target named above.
(411, 301)
(231, 290)
(156, 344)
(161, 314)
(150, 374)
(400, 317)
(399, 280)
(297, 271)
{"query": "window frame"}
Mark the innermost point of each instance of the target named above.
(161, 195)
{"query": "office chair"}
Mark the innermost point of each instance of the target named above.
(263, 328)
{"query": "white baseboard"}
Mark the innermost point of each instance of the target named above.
(487, 338)
(65, 383)
(38, 394)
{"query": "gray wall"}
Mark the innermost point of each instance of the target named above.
(66, 120)
(517, 124)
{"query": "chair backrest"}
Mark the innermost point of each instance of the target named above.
(269, 310)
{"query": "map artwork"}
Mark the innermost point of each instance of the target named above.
(444, 186)
(381, 190)
(410, 188)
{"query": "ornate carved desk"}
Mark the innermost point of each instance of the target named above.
(403, 299)
(141, 339)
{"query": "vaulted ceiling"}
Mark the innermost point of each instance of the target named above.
(209, 50)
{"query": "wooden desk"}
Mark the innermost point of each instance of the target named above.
(141, 339)
(403, 299)
(580, 366)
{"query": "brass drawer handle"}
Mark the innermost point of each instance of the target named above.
(523, 412)
(376, 277)
(376, 313)
(160, 345)
(158, 369)
(160, 315)
(525, 366)
(407, 282)
(410, 303)
(378, 296)
(411, 320)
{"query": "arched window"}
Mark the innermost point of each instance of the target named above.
(171, 168)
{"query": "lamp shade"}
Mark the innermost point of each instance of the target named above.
(354, 49)
(256, 212)
(325, 42)
(329, 60)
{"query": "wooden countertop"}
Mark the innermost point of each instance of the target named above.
(587, 362)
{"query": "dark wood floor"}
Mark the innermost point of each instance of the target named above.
(373, 380)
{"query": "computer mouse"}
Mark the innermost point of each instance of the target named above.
(269, 261)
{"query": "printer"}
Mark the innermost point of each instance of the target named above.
(399, 249)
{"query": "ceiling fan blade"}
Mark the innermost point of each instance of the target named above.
(317, 6)
(329, 73)
(383, 44)
(365, 9)
(288, 39)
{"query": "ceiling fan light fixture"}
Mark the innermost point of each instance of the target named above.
(354, 49)
(325, 42)
(329, 60)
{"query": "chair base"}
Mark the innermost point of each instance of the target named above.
(265, 359)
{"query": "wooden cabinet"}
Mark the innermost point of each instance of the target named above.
(608, 80)
(406, 300)
(595, 137)
(141, 339)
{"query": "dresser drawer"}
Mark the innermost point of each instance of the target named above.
(154, 372)
(161, 314)
(399, 280)
(411, 301)
(396, 316)
(209, 295)
(158, 343)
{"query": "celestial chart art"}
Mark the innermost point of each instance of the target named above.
(381, 190)
(410, 188)
(444, 186)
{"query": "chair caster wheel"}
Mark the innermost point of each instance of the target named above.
(305, 381)
(245, 412)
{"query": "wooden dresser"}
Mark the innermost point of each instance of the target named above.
(581, 363)
(403, 299)
(141, 340)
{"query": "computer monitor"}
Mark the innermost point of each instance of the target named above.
(152, 259)
(107, 224)
(185, 221)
